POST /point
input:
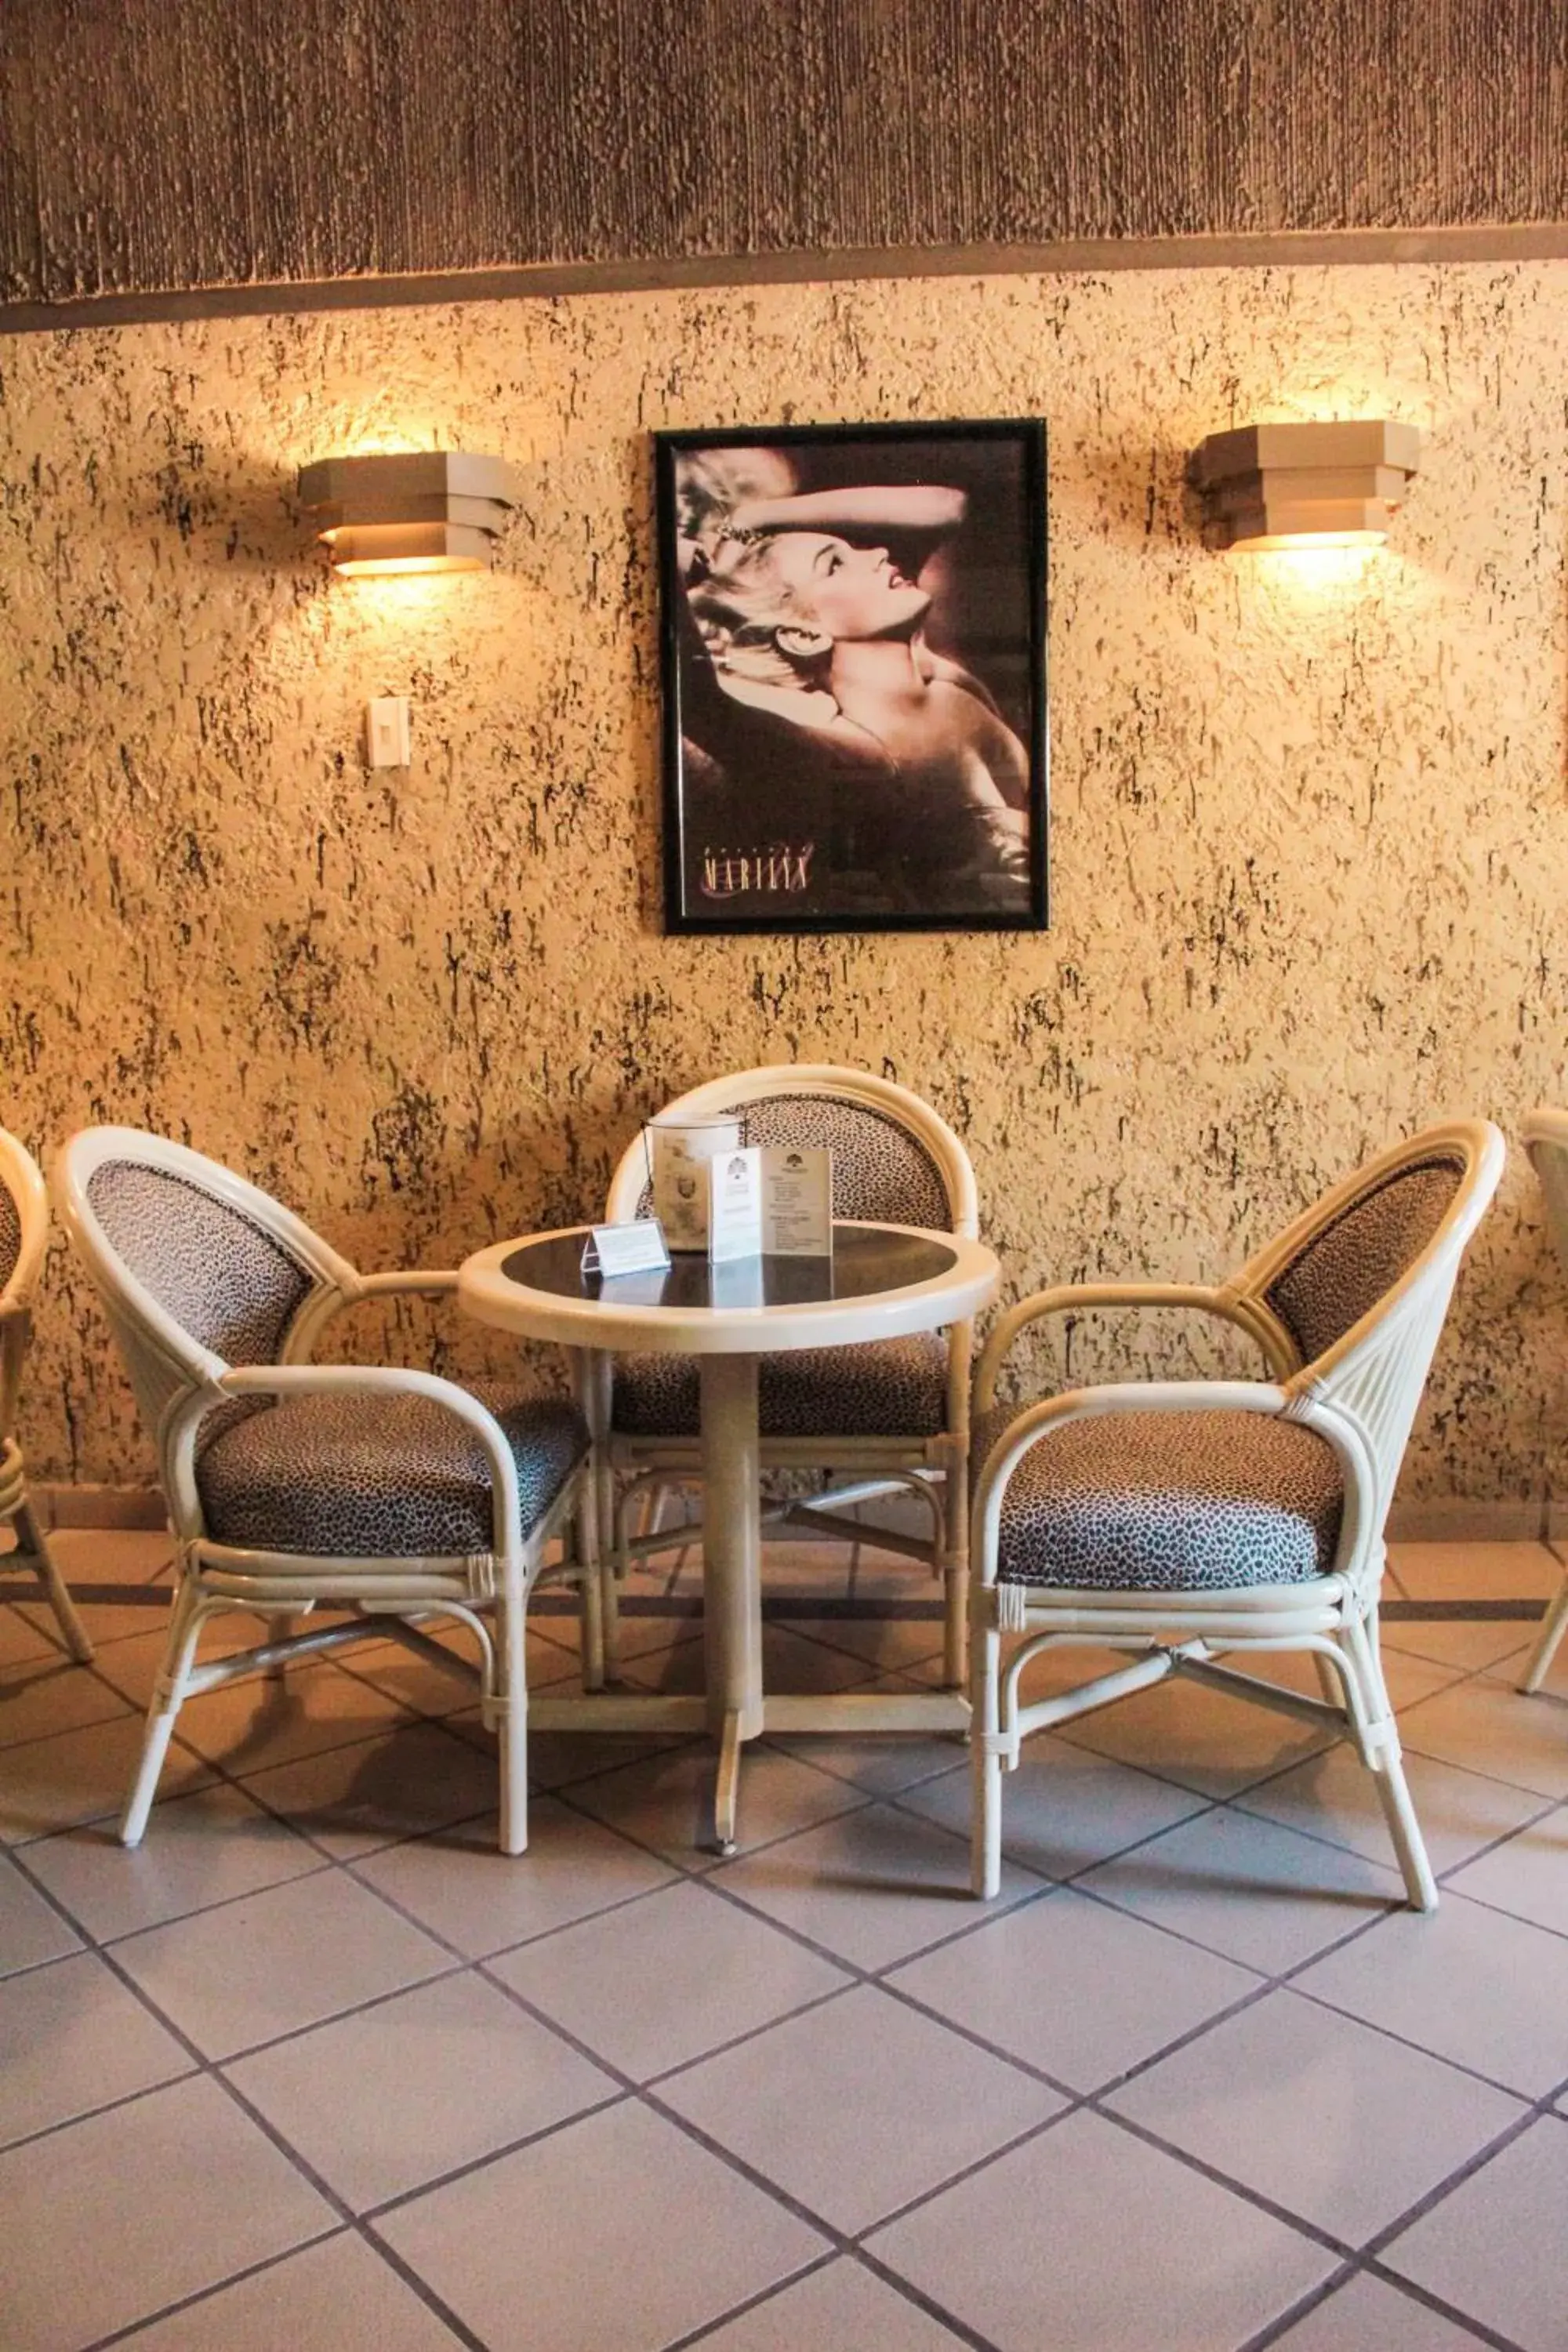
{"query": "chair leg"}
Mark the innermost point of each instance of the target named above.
(1393, 1795)
(1552, 1633)
(1379, 1737)
(168, 1694)
(32, 1543)
(610, 1570)
(986, 1766)
(956, 1572)
(511, 1656)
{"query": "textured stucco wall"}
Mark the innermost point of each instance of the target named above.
(1308, 828)
(203, 142)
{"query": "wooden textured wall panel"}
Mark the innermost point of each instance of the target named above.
(203, 144)
(1309, 832)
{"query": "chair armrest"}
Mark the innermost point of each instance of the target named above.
(178, 1436)
(1071, 1298)
(327, 1304)
(1363, 1516)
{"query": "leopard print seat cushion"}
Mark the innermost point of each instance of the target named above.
(881, 1172)
(340, 1475)
(1168, 1502)
(887, 1387)
(231, 1287)
(10, 1235)
(1345, 1269)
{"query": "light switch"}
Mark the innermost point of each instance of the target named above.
(386, 730)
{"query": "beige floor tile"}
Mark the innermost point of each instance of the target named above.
(1485, 1726)
(89, 1558)
(1470, 1984)
(1493, 2248)
(1201, 1739)
(1248, 1889)
(681, 2240)
(1474, 1571)
(1368, 2316)
(352, 1799)
(198, 1851)
(72, 2039)
(471, 2073)
(1065, 1807)
(874, 1886)
(990, 2250)
(483, 1901)
(639, 1630)
(157, 2199)
(247, 1725)
(1074, 1988)
(556, 1760)
(880, 1764)
(911, 2105)
(337, 2292)
(1527, 1874)
(666, 1802)
(31, 1931)
(704, 1971)
(1466, 1643)
(886, 1644)
(1318, 2113)
(276, 1961)
(84, 1776)
(790, 1663)
(415, 1682)
(26, 1636)
(54, 1694)
(1334, 1796)
(843, 2307)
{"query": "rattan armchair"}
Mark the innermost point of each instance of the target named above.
(386, 1493)
(888, 1417)
(1181, 1521)
(1545, 1134)
(24, 1235)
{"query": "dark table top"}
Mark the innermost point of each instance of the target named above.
(866, 1259)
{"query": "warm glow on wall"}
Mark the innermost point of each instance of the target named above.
(1267, 487)
(408, 512)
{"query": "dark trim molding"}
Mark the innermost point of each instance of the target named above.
(1528, 241)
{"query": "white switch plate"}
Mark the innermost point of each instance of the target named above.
(386, 730)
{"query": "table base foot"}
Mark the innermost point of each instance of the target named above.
(727, 1786)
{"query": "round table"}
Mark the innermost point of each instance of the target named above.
(882, 1282)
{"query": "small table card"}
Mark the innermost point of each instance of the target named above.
(629, 1248)
(735, 1205)
(797, 1202)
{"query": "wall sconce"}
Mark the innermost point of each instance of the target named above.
(1330, 485)
(418, 510)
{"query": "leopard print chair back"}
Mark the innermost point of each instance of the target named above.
(234, 1289)
(1341, 1271)
(10, 1234)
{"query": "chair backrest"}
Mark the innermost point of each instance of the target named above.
(1546, 1136)
(1356, 1251)
(24, 1235)
(895, 1161)
(24, 1221)
(197, 1269)
(1360, 1285)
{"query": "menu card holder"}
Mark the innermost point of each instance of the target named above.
(630, 1248)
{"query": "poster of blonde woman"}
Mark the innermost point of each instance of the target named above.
(854, 624)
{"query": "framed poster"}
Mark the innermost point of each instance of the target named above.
(853, 665)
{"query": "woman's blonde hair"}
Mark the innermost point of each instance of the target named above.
(750, 617)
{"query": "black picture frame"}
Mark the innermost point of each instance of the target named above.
(853, 668)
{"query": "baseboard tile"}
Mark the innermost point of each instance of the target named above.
(102, 1507)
